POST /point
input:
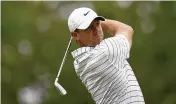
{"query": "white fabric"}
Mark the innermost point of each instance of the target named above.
(106, 73)
(81, 18)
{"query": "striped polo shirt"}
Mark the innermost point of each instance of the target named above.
(105, 72)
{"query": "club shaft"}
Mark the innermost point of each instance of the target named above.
(65, 56)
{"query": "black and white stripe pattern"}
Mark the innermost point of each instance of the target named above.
(106, 73)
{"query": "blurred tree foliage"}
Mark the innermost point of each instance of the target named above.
(34, 38)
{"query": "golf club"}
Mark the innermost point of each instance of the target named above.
(58, 86)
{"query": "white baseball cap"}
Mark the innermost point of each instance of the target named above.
(81, 18)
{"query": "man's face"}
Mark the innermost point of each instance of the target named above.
(91, 36)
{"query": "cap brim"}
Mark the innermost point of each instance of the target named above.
(100, 18)
(86, 24)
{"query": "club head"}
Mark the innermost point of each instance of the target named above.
(60, 88)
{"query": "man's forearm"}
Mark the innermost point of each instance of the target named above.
(114, 27)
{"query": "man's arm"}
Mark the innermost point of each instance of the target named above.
(114, 28)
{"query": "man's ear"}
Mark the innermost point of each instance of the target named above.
(75, 35)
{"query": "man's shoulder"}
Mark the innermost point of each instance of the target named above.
(88, 53)
(80, 51)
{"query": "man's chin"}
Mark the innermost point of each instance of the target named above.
(97, 42)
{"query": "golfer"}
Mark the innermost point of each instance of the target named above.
(101, 63)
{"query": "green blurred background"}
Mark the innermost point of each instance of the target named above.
(35, 36)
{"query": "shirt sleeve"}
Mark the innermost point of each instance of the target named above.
(117, 48)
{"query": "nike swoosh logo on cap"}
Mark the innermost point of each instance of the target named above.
(86, 13)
